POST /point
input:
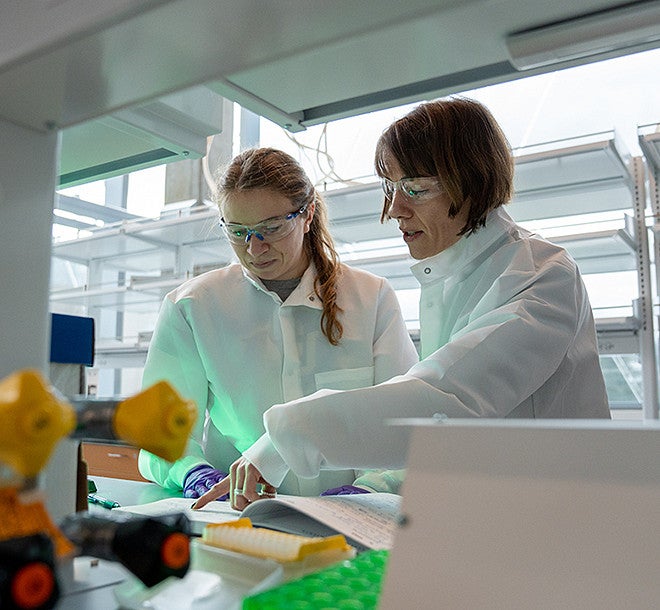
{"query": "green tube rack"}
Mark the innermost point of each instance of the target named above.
(352, 584)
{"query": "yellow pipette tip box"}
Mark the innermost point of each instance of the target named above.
(298, 555)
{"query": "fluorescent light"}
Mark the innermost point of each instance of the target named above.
(627, 29)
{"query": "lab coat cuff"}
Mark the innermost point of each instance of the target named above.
(387, 481)
(167, 474)
(263, 455)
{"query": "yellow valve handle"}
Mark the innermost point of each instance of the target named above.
(32, 421)
(157, 419)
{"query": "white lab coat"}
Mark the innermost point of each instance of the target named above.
(226, 342)
(506, 331)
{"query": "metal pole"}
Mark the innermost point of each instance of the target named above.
(647, 343)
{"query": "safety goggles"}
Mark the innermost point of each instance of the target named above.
(268, 231)
(414, 189)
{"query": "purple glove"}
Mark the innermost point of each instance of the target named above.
(345, 490)
(200, 479)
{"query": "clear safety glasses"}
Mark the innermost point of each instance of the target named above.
(414, 189)
(268, 231)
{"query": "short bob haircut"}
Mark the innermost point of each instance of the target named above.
(458, 140)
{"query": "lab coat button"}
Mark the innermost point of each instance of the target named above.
(427, 270)
(311, 297)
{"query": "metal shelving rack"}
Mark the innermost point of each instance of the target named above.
(154, 255)
(580, 179)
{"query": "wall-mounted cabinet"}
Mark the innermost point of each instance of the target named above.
(171, 128)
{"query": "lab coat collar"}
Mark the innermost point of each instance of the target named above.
(303, 294)
(465, 250)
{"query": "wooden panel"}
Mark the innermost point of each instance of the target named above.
(110, 460)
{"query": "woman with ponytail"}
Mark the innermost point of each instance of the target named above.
(287, 320)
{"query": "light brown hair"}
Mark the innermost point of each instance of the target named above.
(269, 168)
(458, 140)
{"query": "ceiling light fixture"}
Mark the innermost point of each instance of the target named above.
(630, 28)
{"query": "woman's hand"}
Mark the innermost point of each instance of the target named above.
(244, 486)
(247, 484)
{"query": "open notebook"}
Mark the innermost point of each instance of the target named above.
(367, 521)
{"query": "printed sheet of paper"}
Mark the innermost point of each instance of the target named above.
(214, 512)
(369, 520)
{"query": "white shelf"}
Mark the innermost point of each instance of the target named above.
(585, 175)
(649, 141)
(151, 245)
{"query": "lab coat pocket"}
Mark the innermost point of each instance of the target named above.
(345, 379)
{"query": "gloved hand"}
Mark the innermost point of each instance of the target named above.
(200, 479)
(345, 490)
